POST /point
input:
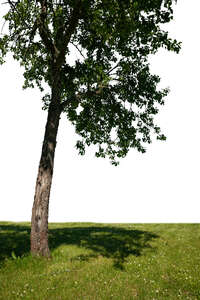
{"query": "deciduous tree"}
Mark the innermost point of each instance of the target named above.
(107, 92)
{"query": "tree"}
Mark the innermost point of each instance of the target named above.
(108, 92)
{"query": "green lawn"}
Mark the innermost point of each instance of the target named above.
(102, 261)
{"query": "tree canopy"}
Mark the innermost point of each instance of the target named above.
(100, 49)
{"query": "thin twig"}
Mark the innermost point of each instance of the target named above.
(78, 49)
(3, 27)
(113, 68)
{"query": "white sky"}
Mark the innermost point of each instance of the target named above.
(159, 186)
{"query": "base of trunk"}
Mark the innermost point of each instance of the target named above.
(39, 244)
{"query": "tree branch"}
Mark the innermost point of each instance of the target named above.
(78, 49)
(13, 4)
(43, 28)
(113, 68)
(71, 26)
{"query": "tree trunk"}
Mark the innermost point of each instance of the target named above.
(39, 221)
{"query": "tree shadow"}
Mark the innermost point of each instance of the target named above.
(107, 241)
(14, 239)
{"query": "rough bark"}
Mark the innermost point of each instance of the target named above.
(39, 221)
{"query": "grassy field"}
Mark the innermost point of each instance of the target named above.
(102, 261)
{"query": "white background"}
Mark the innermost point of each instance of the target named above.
(159, 186)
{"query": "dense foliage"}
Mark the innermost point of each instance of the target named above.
(100, 50)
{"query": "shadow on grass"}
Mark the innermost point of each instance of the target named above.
(108, 241)
(14, 239)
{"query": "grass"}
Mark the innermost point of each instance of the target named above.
(102, 262)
